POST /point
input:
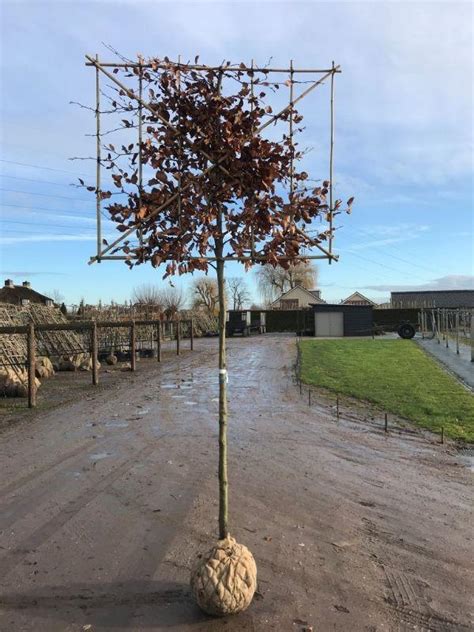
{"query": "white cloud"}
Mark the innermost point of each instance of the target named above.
(450, 282)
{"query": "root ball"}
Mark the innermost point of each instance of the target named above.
(225, 578)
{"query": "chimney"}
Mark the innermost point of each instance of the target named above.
(26, 284)
(9, 283)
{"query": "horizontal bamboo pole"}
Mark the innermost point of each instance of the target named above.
(249, 258)
(201, 67)
(79, 325)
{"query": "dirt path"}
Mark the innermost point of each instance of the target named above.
(105, 502)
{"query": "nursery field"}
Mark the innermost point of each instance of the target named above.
(106, 499)
(396, 375)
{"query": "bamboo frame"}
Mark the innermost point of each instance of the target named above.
(100, 67)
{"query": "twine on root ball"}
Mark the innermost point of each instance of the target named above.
(224, 580)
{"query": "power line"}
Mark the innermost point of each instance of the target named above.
(52, 210)
(53, 195)
(24, 164)
(412, 263)
(47, 225)
(59, 184)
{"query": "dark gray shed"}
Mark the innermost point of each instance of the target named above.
(343, 320)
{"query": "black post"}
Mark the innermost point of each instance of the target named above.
(133, 344)
(158, 342)
(94, 354)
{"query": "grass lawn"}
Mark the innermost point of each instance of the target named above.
(395, 375)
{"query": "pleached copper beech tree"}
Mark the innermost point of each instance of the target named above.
(214, 191)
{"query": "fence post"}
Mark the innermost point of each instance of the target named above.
(94, 354)
(457, 331)
(178, 336)
(191, 324)
(438, 325)
(158, 341)
(133, 344)
(31, 347)
(446, 321)
(472, 336)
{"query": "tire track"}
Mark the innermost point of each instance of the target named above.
(14, 557)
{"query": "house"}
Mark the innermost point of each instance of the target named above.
(357, 299)
(297, 298)
(22, 294)
(433, 298)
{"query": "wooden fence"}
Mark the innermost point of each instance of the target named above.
(93, 326)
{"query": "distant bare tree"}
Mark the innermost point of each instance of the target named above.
(238, 292)
(57, 297)
(205, 294)
(173, 301)
(148, 294)
(273, 281)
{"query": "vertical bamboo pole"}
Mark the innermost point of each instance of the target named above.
(31, 349)
(191, 334)
(140, 141)
(331, 163)
(94, 354)
(158, 342)
(292, 147)
(133, 345)
(252, 95)
(180, 154)
(438, 325)
(457, 331)
(178, 336)
(98, 183)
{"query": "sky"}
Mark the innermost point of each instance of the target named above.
(403, 139)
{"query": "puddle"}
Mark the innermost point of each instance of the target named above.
(144, 411)
(467, 457)
(178, 396)
(190, 403)
(99, 456)
(169, 386)
(116, 424)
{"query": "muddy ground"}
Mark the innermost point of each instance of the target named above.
(105, 501)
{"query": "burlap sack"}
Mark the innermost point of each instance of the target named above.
(225, 578)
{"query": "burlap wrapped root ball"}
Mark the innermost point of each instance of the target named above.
(225, 578)
(44, 367)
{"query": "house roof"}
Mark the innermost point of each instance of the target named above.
(313, 293)
(357, 296)
(16, 294)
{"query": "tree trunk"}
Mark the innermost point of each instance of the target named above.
(223, 484)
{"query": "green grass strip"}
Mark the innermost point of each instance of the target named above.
(396, 375)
